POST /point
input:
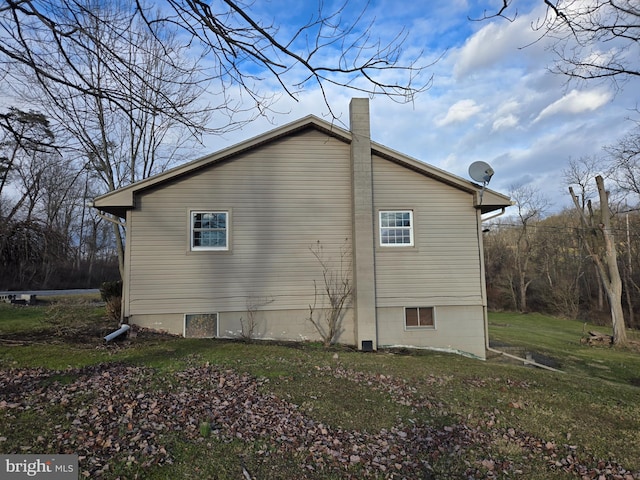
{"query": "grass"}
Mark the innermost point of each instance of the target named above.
(594, 405)
(558, 342)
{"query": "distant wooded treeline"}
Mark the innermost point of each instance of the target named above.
(542, 265)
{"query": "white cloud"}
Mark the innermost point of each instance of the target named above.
(499, 42)
(501, 123)
(489, 95)
(460, 111)
(481, 50)
(576, 102)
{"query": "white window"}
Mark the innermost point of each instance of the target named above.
(209, 230)
(416, 317)
(396, 228)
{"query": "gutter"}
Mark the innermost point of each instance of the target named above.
(501, 212)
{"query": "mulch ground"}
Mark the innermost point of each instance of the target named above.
(115, 411)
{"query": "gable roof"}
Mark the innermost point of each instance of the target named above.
(119, 201)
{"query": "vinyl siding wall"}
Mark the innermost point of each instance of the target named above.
(282, 199)
(444, 265)
(442, 270)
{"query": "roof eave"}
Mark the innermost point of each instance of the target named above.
(119, 201)
(484, 199)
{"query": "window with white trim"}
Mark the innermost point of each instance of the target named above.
(419, 317)
(396, 228)
(209, 230)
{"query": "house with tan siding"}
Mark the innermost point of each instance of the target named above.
(232, 240)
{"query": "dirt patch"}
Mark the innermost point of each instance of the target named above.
(87, 335)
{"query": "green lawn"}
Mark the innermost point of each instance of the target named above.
(558, 342)
(393, 414)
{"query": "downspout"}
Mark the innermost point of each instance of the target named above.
(123, 317)
(123, 328)
(91, 204)
(118, 238)
(486, 317)
(485, 312)
(110, 219)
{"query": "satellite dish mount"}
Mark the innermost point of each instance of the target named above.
(481, 172)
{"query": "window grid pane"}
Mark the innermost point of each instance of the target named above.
(396, 228)
(209, 230)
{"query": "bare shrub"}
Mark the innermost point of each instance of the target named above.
(337, 290)
(249, 326)
(111, 293)
(113, 308)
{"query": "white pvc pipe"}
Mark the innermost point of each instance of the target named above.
(526, 361)
(120, 331)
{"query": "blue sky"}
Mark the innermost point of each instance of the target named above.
(492, 99)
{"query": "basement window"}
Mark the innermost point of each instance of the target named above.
(201, 325)
(419, 317)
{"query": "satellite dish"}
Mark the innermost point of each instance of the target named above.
(481, 172)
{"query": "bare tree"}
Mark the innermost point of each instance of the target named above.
(560, 264)
(579, 174)
(624, 161)
(239, 50)
(497, 254)
(42, 236)
(25, 138)
(118, 146)
(597, 39)
(600, 243)
(531, 205)
(126, 80)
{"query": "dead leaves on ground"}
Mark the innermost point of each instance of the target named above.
(118, 413)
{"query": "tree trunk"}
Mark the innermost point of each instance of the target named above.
(609, 268)
(614, 292)
(600, 291)
(606, 261)
(627, 286)
(613, 288)
(523, 292)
